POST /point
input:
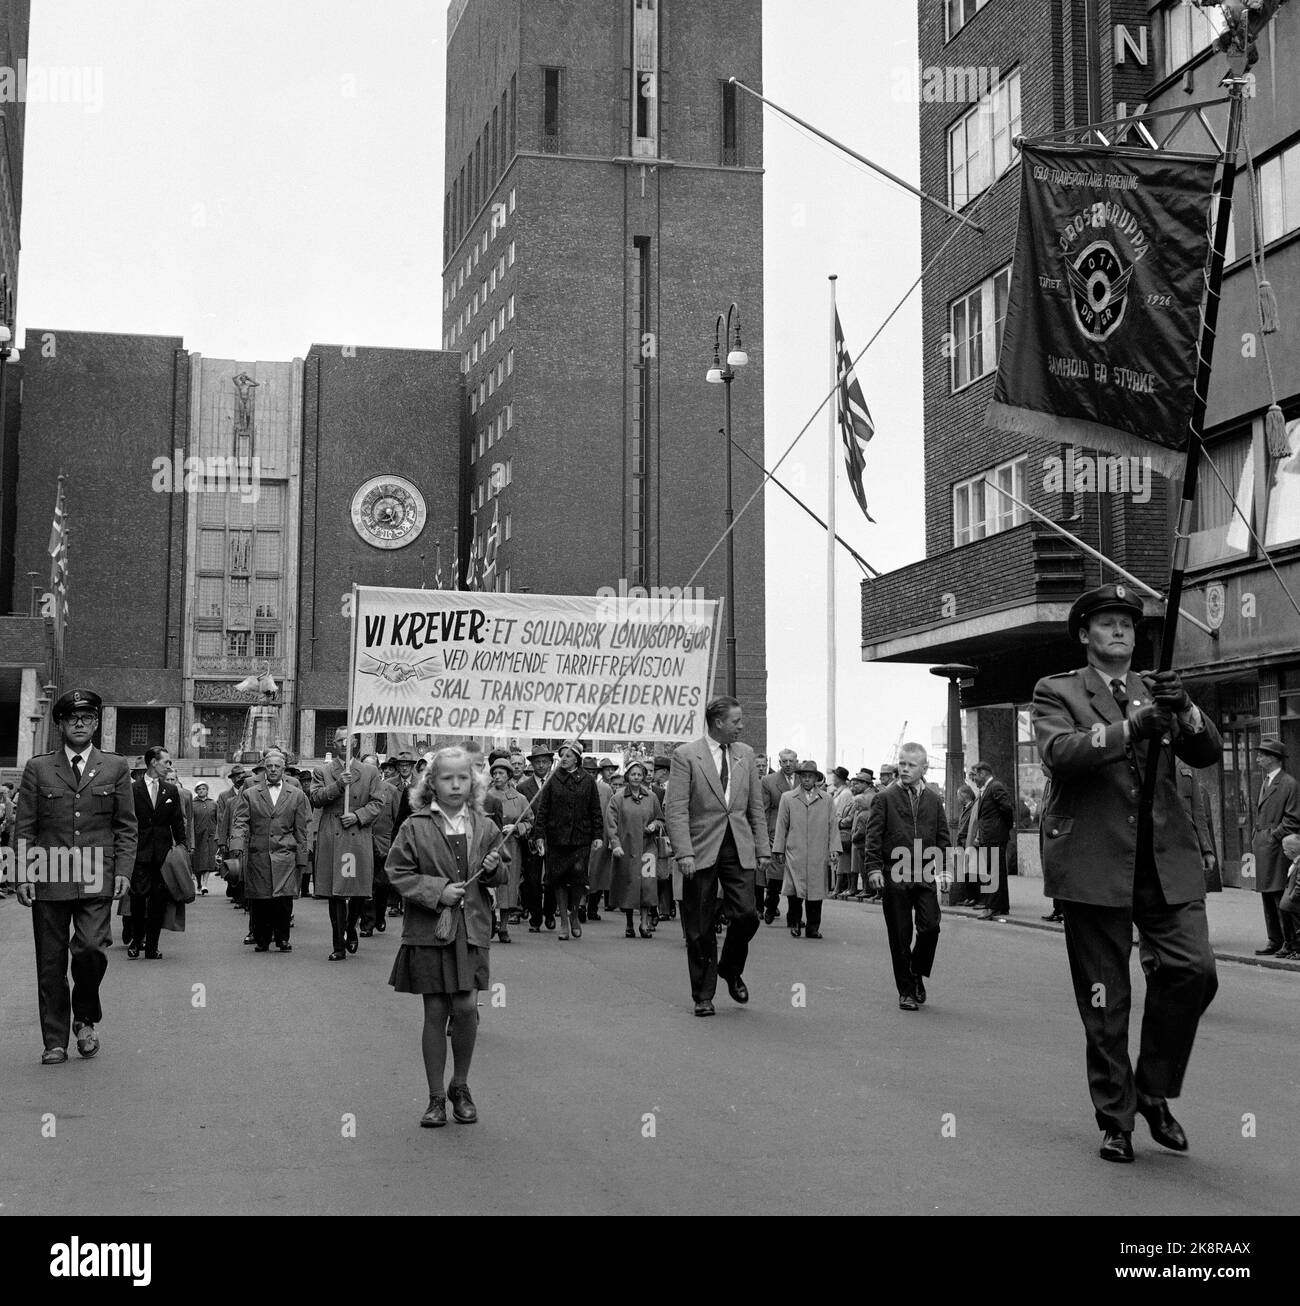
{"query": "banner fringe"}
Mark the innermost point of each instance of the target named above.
(1081, 433)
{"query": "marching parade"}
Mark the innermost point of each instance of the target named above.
(526, 662)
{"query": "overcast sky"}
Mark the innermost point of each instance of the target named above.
(254, 177)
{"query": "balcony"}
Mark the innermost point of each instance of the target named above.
(978, 603)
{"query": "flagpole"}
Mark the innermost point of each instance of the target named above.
(1200, 395)
(832, 411)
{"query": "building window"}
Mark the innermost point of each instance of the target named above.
(510, 417)
(473, 447)
(510, 309)
(209, 598)
(207, 644)
(1030, 780)
(473, 402)
(507, 527)
(267, 593)
(501, 267)
(492, 383)
(505, 581)
(980, 145)
(480, 494)
(510, 475)
(264, 644)
(482, 443)
(496, 153)
(550, 111)
(268, 551)
(1279, 194)
(501, 373)
(978, 510)
(975, 322)
(645, 77)
(270, 503)
(730, 126)
(510, 361)
(482, 394)
(1218, 532)
(960, 12)
(237, 644)
(512, 201)
(511, 259)
(212, 549)
(1186, 32)
(239, 591)
(1282, 523)
(501, 318)
(492, 332)
(473, 352)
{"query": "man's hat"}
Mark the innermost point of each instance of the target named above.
(982, 766)
(1273, 745)
(539, 753)
(403, 756)
(866, 775)
(841, 773)
(607, 765)
(236, 772)
(805, 767)
(1105, 598)
(497, 753)
(589, 764)
(663, 762)
(76, 699)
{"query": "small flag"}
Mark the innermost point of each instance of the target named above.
(490, 547)
(856, 426)
(58, 551)
(472, 566)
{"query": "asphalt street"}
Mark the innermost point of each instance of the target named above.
(228, 1081)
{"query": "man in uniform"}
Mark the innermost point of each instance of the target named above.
(75, 798)
(1114, 864)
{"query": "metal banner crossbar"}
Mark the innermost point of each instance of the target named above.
(1095, 132)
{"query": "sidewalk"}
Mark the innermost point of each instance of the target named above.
(1236, 920)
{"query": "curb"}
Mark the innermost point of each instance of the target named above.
(1241, 959)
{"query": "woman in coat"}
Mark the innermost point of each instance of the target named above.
(807, 841)
(632, 820)
(509, 809)
(442, 860)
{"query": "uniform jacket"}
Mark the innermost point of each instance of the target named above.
(53, 812)
(568, 812)
(1277, 814)
(698, 814)
(1089, 822)
(420, 866)
(333, 841)
(806, 835)
(160, 827)
(272, 837)
(774, 786)
(894, 824)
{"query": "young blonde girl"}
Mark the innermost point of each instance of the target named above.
(443, 859)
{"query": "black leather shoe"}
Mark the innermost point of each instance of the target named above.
(435, 1114)
(906, 1002)
(463, 1109)
(285, 947)
(262, 947)
(338, 956)
(54, 1056)
(153, 956)
(735, 986)
(534, 929)
(769, 917)
(366, 934)
(813, 934)
(704, 1007)
(550, 922)
(919, 984)
(133, 952)
(1164, 1128)
(353, 943)
(381, 925)
(1117, 1146)
(796, 931)
(248, 938)
(1268, 950)
(582, 914)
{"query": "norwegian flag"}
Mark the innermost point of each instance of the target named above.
(856, 426)
(490, 548)
(472, 573)
(58, 551)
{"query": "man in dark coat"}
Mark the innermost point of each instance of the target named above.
(269, 831)
(1115, 864)
(225, 813)
(768, 895)
(991, 823)
(75, 798)
(538, 899)
(1277, 814)
(160, 819)
(907, 829)
(569, 825)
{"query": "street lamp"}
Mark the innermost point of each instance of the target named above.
(954, 672)
(724, 375)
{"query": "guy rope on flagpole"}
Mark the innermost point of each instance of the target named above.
(830, 543)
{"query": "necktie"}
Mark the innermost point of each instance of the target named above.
(76, 770)
(725, 772)
(1121, 696)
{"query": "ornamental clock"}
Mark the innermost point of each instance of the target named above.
(388, 512)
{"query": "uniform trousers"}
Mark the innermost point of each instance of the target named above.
(911, 959)
(1181, 983)
(268, 918)
(699, 911)
(90, 923)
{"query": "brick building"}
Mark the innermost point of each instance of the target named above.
(219, 512)
(995, 587)
(603, 204)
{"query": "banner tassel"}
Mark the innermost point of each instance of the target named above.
(1275, 433)
(1268, 311)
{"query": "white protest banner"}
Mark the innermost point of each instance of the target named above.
(551, 665)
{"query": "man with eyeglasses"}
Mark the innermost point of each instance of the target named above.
(74, 798)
